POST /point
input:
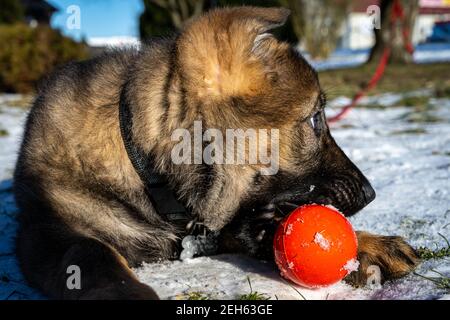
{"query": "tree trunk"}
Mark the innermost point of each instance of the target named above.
(317, 24)
(181, 10)
(396, 35)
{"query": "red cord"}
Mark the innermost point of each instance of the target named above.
(397, 13)
(372, 83)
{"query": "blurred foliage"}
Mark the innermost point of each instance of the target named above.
(11, 11)
(162, 17)
(27, 54)
(154, 21)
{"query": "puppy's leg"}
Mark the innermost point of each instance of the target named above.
(45, 254)
(391, 255)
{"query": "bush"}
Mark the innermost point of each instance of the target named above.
(155, 21)
(11, 11)
(27, 54)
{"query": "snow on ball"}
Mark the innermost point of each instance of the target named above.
(201, 245)
(315, 246)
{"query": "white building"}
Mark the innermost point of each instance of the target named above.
(358, 29)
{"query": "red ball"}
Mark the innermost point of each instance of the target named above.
(315, 246)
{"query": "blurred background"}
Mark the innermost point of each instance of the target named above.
(37, 35)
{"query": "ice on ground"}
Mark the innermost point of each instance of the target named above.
(11, 126)
(408, 163)
(351, 265)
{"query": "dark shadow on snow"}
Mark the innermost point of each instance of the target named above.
(12, 283)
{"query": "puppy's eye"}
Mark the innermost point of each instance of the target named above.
(316, 122)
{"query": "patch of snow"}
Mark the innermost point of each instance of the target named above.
(424, 53)
(120, 41)
(351, 265)
(320, 240)
(11, 124)
(226, 277)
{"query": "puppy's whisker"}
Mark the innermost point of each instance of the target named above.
(280, 210)
(269, 207)
(267, 215)
(289, 204)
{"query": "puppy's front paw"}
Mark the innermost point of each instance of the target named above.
(382, 258)
(252, 235)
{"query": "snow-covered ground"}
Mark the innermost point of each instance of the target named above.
(424, 53)
(406, 159)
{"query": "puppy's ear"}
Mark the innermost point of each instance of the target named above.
(225, 52)
(262, 19)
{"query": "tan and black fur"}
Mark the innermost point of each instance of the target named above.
(82, 203)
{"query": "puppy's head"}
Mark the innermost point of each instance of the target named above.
(237, 75)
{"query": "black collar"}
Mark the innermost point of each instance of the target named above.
(162, 197)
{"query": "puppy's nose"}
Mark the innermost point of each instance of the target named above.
(369, 193)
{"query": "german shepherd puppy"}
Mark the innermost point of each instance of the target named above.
(83, 203)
